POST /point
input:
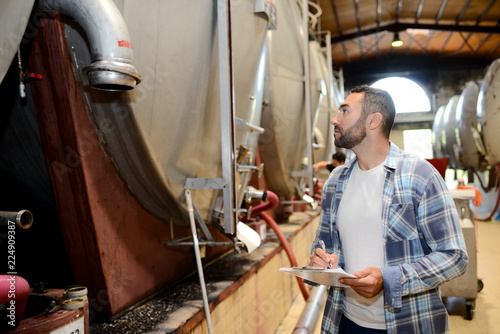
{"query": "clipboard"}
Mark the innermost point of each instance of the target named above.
(328, 277)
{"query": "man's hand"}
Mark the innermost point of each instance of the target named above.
(322, 259)
(369, 284)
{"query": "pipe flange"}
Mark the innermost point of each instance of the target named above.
(73, 304)
(112, 75)
(75, 292)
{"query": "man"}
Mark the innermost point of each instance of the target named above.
(387, 218)
(338, 158)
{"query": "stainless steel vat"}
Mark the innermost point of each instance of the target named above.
(14, 16)
(168, 128)
(438, 134)
(450, 124)
(283, 147)
(487, 112)
(468, 133)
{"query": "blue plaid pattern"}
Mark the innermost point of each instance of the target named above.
(424, 245)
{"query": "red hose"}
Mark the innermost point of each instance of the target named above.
(272, 202)
(286, 246)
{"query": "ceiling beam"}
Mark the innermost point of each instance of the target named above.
(438, 17)
(379, 12)
(485, 39)
(403, 26)
(459, 17)
(419, 10)
(479, 19)
(339, 28)
(358, 22)
(398, 11)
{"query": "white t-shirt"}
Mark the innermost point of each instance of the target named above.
(360, 227)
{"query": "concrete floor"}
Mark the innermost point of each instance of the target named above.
(485, 320)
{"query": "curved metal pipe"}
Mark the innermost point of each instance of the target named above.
(312, 310)
(110, 47)
(272, 202)
(23, 219)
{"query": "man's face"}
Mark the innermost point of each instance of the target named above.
(349, 123)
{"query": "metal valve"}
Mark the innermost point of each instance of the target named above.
(252, 193)
(245, 168)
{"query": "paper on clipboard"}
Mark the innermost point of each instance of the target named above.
(328, 277)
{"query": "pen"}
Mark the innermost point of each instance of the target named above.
(322, 244)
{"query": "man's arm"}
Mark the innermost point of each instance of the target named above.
(318, 165)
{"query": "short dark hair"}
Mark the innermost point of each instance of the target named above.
(378, 100)
(339, 156)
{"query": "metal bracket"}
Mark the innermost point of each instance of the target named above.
(298, 186)
(193, 183)
(202, 183)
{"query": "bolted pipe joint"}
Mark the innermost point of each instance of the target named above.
(112, 66)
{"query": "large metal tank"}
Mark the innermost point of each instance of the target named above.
(322, 82)
(14, 16)
(488, 105)
(283, 147)
(449, 124)
(438, 134)
(468, 135)
(319, 78)
(168, 128)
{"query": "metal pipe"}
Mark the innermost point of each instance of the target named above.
(252, 194)
(272, 202)
(206, 306)
(312, 310)
(203, 243)
(307, 92)
(23, 219)
(111, 50)
(246, 169)
(227, 115)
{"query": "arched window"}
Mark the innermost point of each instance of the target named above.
(408, 96)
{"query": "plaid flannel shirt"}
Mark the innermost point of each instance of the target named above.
(424, 245)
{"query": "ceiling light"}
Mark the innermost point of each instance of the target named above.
(396, 42)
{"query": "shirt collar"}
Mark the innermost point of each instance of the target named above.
(390, 162)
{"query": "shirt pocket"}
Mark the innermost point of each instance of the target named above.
(402, 224)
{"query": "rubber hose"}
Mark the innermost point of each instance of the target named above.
(272, 202)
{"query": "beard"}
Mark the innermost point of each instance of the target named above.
(352, 136)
